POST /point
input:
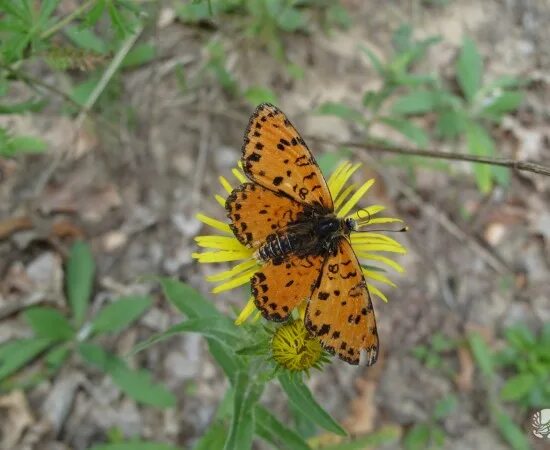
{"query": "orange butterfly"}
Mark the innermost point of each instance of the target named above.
(287, 215)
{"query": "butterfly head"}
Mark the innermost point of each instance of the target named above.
(349, 225)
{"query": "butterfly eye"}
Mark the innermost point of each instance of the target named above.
(351, 224)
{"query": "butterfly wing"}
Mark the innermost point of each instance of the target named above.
(281, 285)
(276, 157)
(340, 311)
(256, 212)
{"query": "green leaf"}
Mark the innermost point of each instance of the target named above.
(377, 64)
(257, 94)
(340, 110)
(134, 445)
(302, 399)
(118, 315)
(195, 306)
(187, 300)
(521, 337)
(16, 354)
(513, 434)
(21, 107)
(417, 438)
(417, 102)
(480, 144)
(219, 328)
(214, 437)
(246, 394)
(275, 432)
(290, 19)
(450, 124)
(57, 356)
(140, 55)
(85, 38)
(468, 69)
(501, 104)
(408, 129)
(135, 383)
(385, 436)
(49, 323)
(445, 406)
(79, 280)
(517, 387)
(25, 144)
(481, 354)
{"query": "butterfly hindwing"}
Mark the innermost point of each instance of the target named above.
(276, 157)
(281, 285)
(340, 311)
(256, 212)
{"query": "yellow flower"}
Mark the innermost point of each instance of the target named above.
(368, 246)
(294, 349)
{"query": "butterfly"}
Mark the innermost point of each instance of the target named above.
(286, 214)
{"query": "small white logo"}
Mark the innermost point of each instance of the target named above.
(541, 424)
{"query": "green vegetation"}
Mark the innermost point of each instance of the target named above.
(57, 338)
(407, 100)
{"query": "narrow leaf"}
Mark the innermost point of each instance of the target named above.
(513, 434)
(118, 315)
(16, 354)
(468, 69)
(482, 354)
(275, 432)
(408, 129)
(246, 395)
(135, 383)
(340, 110)
(300, 396)
(49, 323)
(80, 276)
(519, 386)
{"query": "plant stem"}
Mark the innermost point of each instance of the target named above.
(67, 19)
(377, 146)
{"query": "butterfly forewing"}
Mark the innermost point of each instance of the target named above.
(276, 157)
(281, 285)
(256, 212)
(340, 311)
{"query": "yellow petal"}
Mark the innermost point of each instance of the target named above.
(374, 238)
(343, 178)
(225, 184)
(384, 260)
(377, 276)
(220, 242)
(220, 200)
(246, 311)
(355, 198)
(380, 220)
(235, 282)
(239, 175)
(234, 271)
(373, 290)
(334, 176)
(221, 256)
(345, 193)
(214, 223)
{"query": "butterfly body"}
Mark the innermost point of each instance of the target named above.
(312, 234)
(286, 214)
